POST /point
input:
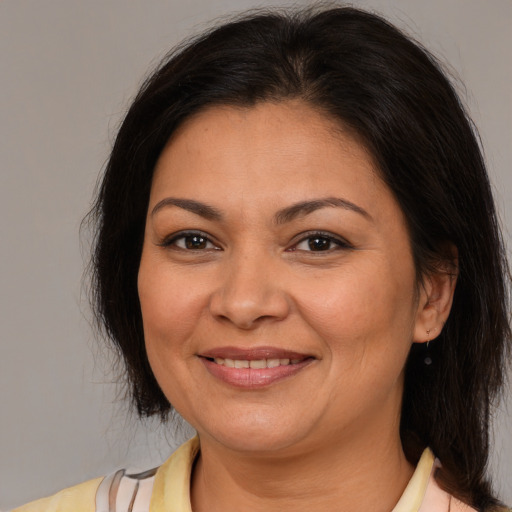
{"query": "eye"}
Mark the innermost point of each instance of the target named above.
(320, 242)
(194, 241)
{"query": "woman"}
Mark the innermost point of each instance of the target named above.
(297, 248)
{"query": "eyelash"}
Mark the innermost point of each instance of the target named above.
(171, 242)
(339, 242)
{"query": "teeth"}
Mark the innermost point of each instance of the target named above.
(256, 363)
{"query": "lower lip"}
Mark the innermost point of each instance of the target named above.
(253, 378)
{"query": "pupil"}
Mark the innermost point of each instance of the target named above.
(319, 244)
(195, 242)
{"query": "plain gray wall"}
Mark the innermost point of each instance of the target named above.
(68, 70)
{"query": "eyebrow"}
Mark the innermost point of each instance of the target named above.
(283, 216)
(306, 207)
(201, 209)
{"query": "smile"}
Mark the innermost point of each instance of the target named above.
(253, 369)
(256, 363)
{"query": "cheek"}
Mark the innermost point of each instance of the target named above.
(170, 307)
(170, 311)
(364, 316)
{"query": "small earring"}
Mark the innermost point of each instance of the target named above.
(428, 360)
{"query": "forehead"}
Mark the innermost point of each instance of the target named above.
(261, 146)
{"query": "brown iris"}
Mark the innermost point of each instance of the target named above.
(319, 244)
(196, 242)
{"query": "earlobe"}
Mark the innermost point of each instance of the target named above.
(435, 302)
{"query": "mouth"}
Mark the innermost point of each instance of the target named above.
(255, 368)
(254, 363)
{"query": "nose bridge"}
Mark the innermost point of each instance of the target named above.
(250, 290)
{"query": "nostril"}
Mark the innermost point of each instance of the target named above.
(247, 318)
(248, 298)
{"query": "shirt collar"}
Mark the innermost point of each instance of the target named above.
(171, 491)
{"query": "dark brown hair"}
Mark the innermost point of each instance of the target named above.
(360, 70)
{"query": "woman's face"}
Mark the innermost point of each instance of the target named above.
(277, 286)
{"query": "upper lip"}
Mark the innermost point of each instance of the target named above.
(252, 354)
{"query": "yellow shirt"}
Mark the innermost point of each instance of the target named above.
(168, 489)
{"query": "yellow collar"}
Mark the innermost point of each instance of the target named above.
(171, 490)
(413, 494)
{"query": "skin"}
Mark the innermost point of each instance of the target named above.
(314, 440)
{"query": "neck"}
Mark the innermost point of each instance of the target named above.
(346, 475)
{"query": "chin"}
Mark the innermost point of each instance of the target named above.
(256, 434)
(255, 442)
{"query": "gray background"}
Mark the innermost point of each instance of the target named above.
(67, 72)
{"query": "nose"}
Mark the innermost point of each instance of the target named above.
(250, 294)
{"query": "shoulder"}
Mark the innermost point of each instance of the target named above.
(121, 491)
(427, 492)
(117, 492)
(80, 498)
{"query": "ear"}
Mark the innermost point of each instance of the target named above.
(435, 299)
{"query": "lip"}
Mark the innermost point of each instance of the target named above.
(253, 378)
(253, 354)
